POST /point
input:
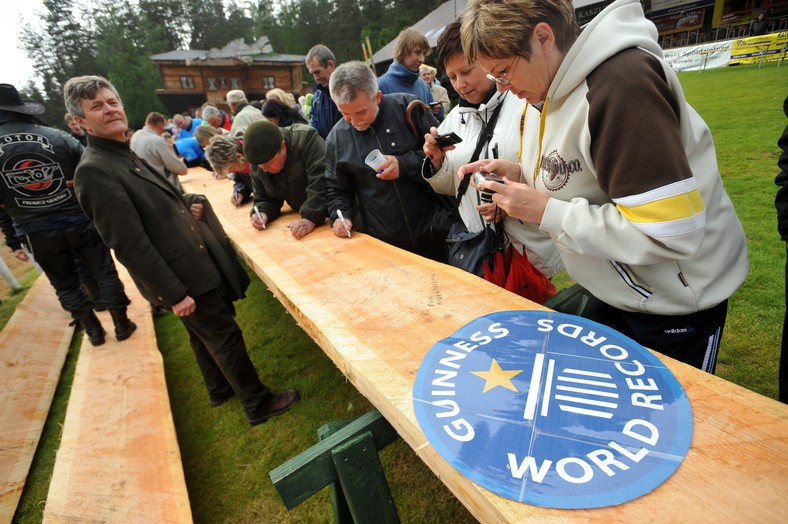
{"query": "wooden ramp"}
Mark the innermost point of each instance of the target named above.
(119, 459)
(376, 310)
(33, 347)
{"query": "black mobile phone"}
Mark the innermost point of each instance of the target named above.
(449, 139)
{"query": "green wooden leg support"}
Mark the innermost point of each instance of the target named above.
(572, 300)
(342, 513)
(309, 472)
(363, 481)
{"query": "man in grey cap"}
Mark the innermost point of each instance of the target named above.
(244, 113)
(287, 165)
(40, 210)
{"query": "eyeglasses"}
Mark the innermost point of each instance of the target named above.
(502, 79)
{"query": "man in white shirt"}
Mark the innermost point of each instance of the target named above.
(244, 113)
(149, 145)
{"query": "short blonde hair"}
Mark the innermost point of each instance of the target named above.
(408, 40)
(427, 68)
(204, 133)
(503, 28)
(281, 95)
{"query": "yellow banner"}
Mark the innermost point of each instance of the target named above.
(757, 49)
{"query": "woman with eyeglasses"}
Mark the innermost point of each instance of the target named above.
(487, 121)
(624, 174)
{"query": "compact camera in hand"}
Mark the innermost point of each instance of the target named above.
(486, 194)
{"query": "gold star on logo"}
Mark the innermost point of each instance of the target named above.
(498, 377)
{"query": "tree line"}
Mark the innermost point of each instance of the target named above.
(116, 39)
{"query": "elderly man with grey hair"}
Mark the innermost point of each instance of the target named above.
(172, 245)
(394, 202)
(217, 118)
(320, 62)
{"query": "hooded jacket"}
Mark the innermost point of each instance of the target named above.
(468, 121)
(638, 208)
(400, 79)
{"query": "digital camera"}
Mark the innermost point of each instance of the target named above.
(486, 194)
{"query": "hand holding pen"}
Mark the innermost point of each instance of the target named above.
(258, 219)
(342, 226)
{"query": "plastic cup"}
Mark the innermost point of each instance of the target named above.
(374, 159)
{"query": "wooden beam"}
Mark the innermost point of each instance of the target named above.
(376, 310)
(33, 348)
(119, 459)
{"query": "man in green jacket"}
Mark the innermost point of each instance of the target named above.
(288, 164)
(176, 257)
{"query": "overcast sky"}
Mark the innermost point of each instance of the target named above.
(16, 68)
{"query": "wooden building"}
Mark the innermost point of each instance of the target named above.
(193, 77)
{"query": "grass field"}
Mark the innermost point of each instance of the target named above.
(226, 463)
(744, 109)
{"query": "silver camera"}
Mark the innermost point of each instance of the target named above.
(486, 194)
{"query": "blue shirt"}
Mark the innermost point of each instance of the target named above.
(187, 133)
(189, 149)
(324, 113)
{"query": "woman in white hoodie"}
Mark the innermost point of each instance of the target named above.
(624, 174)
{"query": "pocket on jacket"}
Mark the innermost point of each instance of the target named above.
(171, 252)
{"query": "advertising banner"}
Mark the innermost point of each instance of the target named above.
(699, 57)
(758, 49)
(681, 21)
(664, 7)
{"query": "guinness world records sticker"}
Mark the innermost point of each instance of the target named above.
(552, 410)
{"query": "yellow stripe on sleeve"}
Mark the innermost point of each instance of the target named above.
(678, 207)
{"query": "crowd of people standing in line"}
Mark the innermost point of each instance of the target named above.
(653, 240)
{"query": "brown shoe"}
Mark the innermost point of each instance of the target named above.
(278, 404)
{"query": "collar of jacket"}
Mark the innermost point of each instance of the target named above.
(402, 73)
(493, 100)
(108, 143)
(490, 95)
(10, 116)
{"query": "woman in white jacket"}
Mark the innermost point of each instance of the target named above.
(624, 176)
(479, 100)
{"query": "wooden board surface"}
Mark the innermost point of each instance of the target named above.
(376, 310)
(33, 347)
(119, 459)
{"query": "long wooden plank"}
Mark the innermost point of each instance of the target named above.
(33, 348)
(119, 459)
(376, 310)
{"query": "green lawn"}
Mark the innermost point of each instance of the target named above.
(226, 463)
(744, 109)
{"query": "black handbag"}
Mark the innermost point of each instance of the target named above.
(467, 251)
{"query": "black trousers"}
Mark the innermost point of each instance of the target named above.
(59, 251)
(220, 350)
(693, 339)
(783, 378)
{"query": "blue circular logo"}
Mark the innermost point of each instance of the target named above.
(552, 410)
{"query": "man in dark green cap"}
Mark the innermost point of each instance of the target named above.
(287, 165)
